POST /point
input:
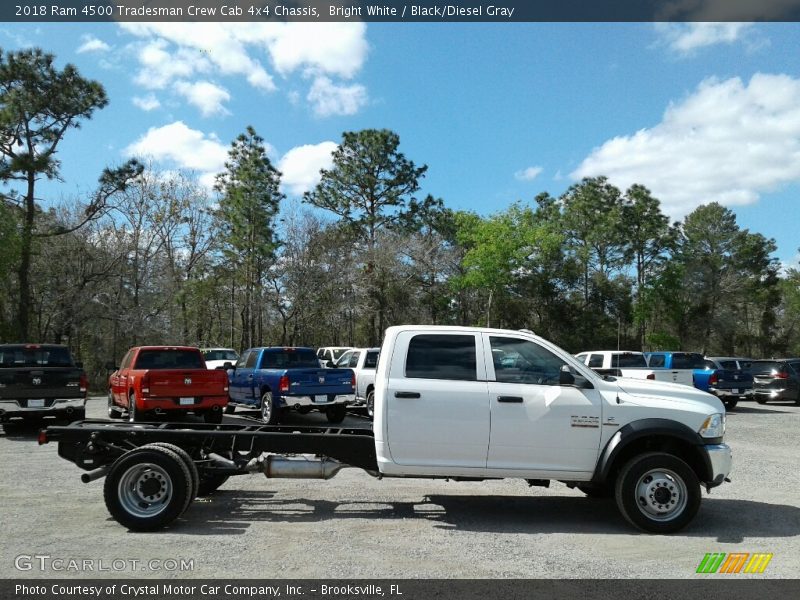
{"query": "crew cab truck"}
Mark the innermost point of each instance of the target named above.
(41, 380)
(625, 363)
(444, 408)
(166, 380)
(363, 361)
(276, 378)
(726, 379)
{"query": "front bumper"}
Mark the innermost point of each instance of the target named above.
(13, 408)
(720, 459)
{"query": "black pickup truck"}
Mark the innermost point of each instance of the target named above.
(40, 380)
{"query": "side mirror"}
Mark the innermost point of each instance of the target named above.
(329, 364)
(227, 365)
(565, 377)
(110, 366)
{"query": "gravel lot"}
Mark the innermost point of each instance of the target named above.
(354, 526)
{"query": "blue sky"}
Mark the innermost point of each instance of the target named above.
(499, 112)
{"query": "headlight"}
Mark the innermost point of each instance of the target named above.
(713, 426)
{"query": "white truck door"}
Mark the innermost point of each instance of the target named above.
(437, 406)
(537, 423)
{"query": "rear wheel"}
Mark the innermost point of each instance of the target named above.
(113, 410)
(78, 415)
(190, 466)
(371, 404)
(269, 413)
(133, 414)
(658, 492)
(336, 413)
(147, 488)
(729, 404)
(761, 400)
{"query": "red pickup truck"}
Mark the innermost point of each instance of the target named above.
(166, 379)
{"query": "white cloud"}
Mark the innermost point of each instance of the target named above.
(182, 147)
(328, 98)
(300, 166)
(146, 103)
(173, 52)
(528, 174)
(727, 142)
(92, 44)
(206, 96)
(685, 38)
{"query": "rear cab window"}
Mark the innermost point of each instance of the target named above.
(35, 356)
(628, 360)
(687, 360)
(170, 358)
(289, 358)
(656, 360)
(371, 359)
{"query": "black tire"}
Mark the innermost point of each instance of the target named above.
(270, 414)
(191, 467)
(370, 404)
(671, 481)
(114, 411)
(78, 415)
(133, 414)
(730, 404)
(213, 416)
(146, 489)
(336, 413)
(210, 483)
(304, 410)
(761, 400)
(230, 409)
(597, 492)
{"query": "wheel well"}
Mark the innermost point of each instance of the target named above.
(264, 389)
(370, 387)
(687, 452)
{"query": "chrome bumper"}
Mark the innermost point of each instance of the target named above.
(721, 461)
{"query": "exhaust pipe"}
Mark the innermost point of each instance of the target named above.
(96, 474)
(222, 461)
(300, 468)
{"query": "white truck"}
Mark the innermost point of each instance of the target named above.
(624, 363)
(363, 362)
(450, 402)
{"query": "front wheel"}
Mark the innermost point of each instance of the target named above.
(371, 404)
(336, 413)
(658, 492)
(269, 413)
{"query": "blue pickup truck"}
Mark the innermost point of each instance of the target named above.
(727, 378)
(277, 378)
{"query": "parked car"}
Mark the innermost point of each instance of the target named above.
(363, 362)
(41, 380)
(166, 380)
(330, 354)
(276, 378)
(725, 378)
(218, 358)
(776, 380)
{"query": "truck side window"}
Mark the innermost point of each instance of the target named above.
(251, 360)
(242, 359)
(353, 362)
(371, 360)
(442, 357)
(596, 361)
(525, 362)
(656, 360)
(126, 360)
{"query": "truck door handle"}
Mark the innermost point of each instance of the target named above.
(510, 399)
(406, 395)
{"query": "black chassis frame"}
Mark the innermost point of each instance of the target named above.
(95, 444)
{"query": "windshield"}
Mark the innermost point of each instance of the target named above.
(169, 359)
(35, 356)
(337, 352)
(221, 355)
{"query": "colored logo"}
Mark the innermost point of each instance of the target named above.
(735, 562)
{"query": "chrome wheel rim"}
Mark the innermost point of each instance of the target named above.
(661, 495)
(266, 407)
(371, 405)
(145, 490)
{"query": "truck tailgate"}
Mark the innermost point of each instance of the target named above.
(179, 383)
(308, 382)
(41, 382)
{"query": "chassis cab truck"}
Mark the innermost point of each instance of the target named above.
(450, 402)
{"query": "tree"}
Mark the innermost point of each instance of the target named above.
(370, 187)
(38, 105)
(251, 197)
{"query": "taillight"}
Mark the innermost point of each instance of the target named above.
(145, 385)
(84, 385)
(651, 376)
(713, 380)
(283, 385)
(782, 375)
(353, 381)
